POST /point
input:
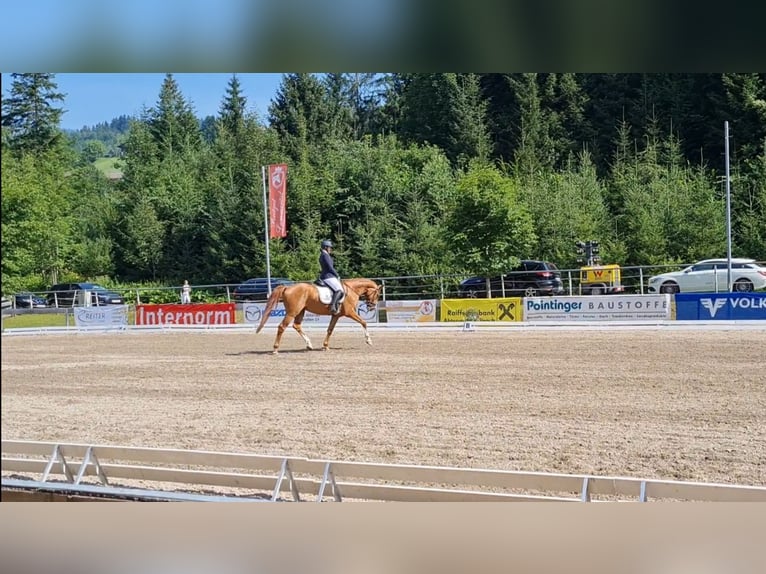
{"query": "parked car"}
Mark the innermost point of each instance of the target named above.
(70, 294)
(257, 289)
(29, 301)
(529, 278)
(710, 275)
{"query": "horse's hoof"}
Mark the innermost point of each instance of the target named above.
(275, 352)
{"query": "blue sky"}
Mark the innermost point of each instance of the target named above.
(94, 98)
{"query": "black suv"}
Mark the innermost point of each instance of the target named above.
(71, 294)
(257, 289)
(529, 278)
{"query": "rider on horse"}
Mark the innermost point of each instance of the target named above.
(329, 275)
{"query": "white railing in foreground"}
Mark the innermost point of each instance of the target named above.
(147, 473)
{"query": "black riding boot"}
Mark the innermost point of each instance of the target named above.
(335, 303)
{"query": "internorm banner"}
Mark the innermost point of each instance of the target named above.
(410, 311)
(173, 314)
(101, 316)
(501, 309)
(598, 308)
(252, 313)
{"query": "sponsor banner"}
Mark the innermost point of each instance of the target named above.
(172, 314)
(501, 309)
(720, 306)
(597, 308)
(411, 311)
(102, 316)
(253, 312)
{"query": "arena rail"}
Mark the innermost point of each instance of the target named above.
(72, 471)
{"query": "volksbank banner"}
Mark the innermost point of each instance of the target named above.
(597, 308)
(720, 306)
(254, 311)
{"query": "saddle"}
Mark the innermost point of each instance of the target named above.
(325, 293)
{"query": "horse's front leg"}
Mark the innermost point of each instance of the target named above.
(353, 315)
(297, 326)
(330, 329)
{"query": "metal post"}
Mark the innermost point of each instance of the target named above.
(728, 210)
(266, 231)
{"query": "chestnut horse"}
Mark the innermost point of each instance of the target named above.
(301, 297)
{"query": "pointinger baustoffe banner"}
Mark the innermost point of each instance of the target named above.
(598, 308)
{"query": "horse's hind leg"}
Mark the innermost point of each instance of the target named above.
(330, 329)
(297, 326)
(281, 331)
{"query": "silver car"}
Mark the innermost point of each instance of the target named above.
(710, 276)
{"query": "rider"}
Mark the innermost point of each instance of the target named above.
(329, 275)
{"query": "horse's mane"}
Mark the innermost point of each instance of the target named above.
(360, 284)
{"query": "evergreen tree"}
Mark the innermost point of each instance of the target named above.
(172, 122)
(300, 114)
(233, 108)
(446, 110)
(535, 151)
(30, 113)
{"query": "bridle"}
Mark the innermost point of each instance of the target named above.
(370, 305)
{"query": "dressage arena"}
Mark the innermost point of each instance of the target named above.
(647, 403)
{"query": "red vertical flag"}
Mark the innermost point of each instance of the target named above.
(277, 200)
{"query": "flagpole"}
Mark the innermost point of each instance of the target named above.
(728, 209)
(266, 230)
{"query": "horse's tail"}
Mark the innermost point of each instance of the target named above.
(274, 298)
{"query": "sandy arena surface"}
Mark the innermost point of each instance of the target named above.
(678, 405)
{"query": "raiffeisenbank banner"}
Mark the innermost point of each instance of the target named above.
(598, 308)
(253, 312)
(503, 309)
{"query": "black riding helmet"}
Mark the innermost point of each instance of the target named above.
(326, 243)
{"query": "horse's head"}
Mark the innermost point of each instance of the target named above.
(371, 295)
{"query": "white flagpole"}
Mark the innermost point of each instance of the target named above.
(266, 226)
(728, 209)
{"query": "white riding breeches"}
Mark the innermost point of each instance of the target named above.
(333, 283)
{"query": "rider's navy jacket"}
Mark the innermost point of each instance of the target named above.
(327, 269)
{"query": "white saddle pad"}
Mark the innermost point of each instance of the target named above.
(325, 294)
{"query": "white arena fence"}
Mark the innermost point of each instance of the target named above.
(633, 278)
(69, 471)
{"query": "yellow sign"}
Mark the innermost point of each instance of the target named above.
(506, 309)
(600, 274)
